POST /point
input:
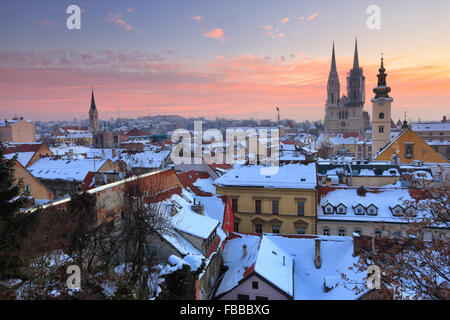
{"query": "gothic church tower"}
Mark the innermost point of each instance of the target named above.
(93, 116)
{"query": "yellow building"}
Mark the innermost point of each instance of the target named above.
(407, 147)
(282, 202)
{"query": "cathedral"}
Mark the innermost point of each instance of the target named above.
(346, 114)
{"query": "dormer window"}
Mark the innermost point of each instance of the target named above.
(341, 209)
(359, 209)
(411, 211)
(372, 210)
(397, 211)
(328, 209)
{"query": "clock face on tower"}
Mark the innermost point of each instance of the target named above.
(381, 102)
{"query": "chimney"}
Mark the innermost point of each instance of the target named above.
(113, 153)
(444, 119)
(21, 118)
(317, 261)
(103, 154)
(328, 182)
(198, 208)
(356, 244)
(244, 250)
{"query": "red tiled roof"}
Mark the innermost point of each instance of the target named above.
(188, 179)
(138, 133)
(87, 181)
(213, 247)
(32, 147)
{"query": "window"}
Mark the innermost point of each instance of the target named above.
(234, 204)
(341, 209)
(258, 228)
(275, 207)
(236, 227)
(27, 189)
(341, 232)
(326, 232)
(275, 228)
(381, 115)
(258, 206)
(243, 297)
(372, 210)
(301, 230)
(377, 234)
(396, 234)
(328, 209)
(381, 129)
(359, 210)
(358, 231)
(255, 285)
(300, 208)
(409, 150)
(261, 298)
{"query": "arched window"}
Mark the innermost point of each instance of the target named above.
(381, 115)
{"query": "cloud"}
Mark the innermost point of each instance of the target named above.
(47, 23)
(117, 18)
(285, 20)
(130, 10)
(301, 18)
(311, 17)
(216, 34)
(267, 27)
(197, 18)
(53, 84)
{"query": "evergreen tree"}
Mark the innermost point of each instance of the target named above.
(13, 225)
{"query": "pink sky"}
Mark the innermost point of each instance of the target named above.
(57, 85)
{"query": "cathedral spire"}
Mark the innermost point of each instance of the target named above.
(333, 62)
(355, 58)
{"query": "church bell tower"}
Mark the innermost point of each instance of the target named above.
(381, 113)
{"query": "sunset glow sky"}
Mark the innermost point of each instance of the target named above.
(227, 58)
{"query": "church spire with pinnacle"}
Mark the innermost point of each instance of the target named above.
(93, 107)
(382, 90)
(355, 58)
(333, 70)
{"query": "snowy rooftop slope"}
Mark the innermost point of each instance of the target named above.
(22, 157)
(308, 281)
(145, 159)
(336, 257)
(49, 168)
(431, 126)
(188, 221)
(296, 176)
(382, 198)
(236, 263)
(275, 265)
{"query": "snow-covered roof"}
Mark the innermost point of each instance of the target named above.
(384, 199)
(145, 159)
(187, 220)
(298, 276)
(64, 169)
(291, 176)
(22, 157)
(431, 126)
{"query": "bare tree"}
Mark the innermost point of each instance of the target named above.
(144, 218)
(417, 265)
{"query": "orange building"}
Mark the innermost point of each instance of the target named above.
(407, 147)
(17, 130)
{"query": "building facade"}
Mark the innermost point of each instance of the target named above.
(284, 207)
(17, 130)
